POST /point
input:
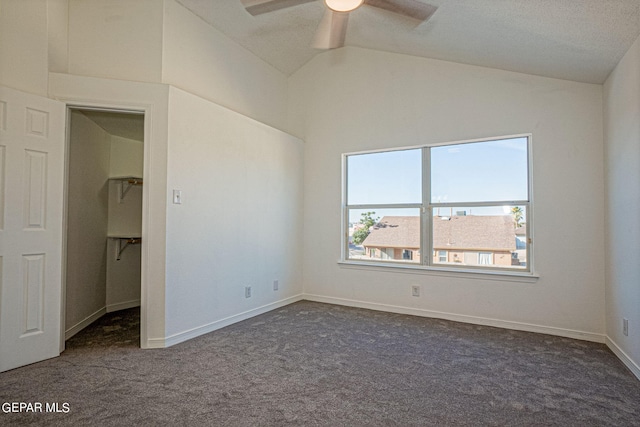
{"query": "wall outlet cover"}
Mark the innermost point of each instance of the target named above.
(625, 327)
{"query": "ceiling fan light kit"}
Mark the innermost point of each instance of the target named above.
(343, 5)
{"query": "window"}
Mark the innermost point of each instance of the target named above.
(485, 258)
(467, 203)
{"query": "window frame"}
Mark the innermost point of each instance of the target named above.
(426, 209)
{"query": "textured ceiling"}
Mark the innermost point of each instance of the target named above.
(579, 40)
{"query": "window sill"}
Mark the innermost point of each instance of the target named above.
(509, 276)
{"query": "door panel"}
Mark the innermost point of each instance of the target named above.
(32, 139)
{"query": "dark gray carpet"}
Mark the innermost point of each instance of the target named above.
(317, 364)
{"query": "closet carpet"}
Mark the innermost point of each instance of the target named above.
(312, 364)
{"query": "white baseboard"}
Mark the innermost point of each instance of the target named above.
(123, 305)
(218, 324)
(567, 333)
(526, 327)
(624, 357)
(84, 323)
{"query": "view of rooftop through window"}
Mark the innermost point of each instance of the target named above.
(467, 204)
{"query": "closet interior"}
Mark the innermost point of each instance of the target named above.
(104, 215)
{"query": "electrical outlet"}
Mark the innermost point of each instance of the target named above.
(415, 290)
(625, 327)
(276, 285)
(247, 291)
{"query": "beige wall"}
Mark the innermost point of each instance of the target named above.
(88, 198)
(161, 41)
(127, 157)
(117, 39)
(240, 220)
(199, 59)
(24, 45)
(58, 31)
(622, 167)
(354, 99)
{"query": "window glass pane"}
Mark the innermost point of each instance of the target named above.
(385, 178)
(480, 171)
(492, 236)
(391, 235)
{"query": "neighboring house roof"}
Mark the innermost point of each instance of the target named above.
(521, 231)
(449, 233)
(395, 232)
(474, 232)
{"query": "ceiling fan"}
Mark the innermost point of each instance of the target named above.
(333, 28)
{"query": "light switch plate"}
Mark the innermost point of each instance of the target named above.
(177, 197)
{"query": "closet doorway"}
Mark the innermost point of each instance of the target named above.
(105, 152)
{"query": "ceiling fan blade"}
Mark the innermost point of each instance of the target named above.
(410, 8)
(332, 30)
(258, 7)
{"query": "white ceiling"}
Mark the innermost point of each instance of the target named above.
(579, 40)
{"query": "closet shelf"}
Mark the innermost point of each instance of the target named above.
(122, 241)
(126, 182)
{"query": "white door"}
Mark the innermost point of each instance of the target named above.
(32, 135)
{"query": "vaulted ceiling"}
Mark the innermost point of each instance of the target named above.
(580, 40)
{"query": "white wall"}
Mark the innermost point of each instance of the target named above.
(33, 40)
(119, 39)
(123, 277)
(58, 33)
(200, 59)
(24, 45)
(240, 221)
(622, 173)
(127, 157)
(162, 41)
(354, 99)
(88, 194)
